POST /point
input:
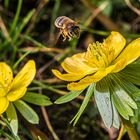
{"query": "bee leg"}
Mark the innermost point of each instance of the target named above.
(64, 36)
(70, 38)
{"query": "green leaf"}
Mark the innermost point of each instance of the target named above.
(122, 89)
(125, 83)
(116, 120)
(88, 95)
(138, 104)
(135, 118)
(8, 136)
(27, 112)
(126, 98)
(12, 117)
(103, 101)
(23, 24)
(105, 105)
(124, 103)
(37, 99)
(129, 87)
(68, 97)
(121, 95)
(132, 73)
(13, 26)
(136, 96)
(120, 107)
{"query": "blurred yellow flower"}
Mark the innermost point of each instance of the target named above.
(98, 61)
(12, 89)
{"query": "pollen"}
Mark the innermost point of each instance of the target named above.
(99, 54)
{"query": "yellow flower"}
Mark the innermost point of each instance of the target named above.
(98, 61)
(12, 89)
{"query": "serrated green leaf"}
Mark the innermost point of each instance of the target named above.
(128, 109)
(125, 84)
(104, 105)
(135, 118)
(138, 104)
(37, 99)
(120, 107)
(68, 97)
(134, 78)
(88, 95)
(126, 98)
(12, 117)
(132, 73)
(123, 102)
(27, 112)
(136, 96)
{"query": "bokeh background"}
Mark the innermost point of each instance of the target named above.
(34, 36)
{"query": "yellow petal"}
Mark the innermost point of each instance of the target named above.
(131, 52)
(2, 91)
(116, 41)
(121, 64)
(16, 94)
(67, 77)
(3, 104)
(77, 64)
(6, 75)
(25, 76)
(91, 79)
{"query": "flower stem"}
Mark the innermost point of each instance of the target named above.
(121, 133)
(130, 130)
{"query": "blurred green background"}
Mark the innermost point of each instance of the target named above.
(27, 31)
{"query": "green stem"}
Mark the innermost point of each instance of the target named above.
(14, 24)
(130, 130)
(20, 59)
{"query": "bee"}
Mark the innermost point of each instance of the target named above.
(68, 27)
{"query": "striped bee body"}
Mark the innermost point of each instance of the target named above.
(68, 27)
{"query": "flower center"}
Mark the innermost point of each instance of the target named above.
(99, 55)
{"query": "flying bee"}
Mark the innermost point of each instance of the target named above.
(68, 27)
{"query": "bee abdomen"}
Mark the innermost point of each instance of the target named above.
(60, 21)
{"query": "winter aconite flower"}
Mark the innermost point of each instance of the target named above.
(105, 69)
(111, 56)
(12, 89)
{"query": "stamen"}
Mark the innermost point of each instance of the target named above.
(99, 54)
